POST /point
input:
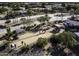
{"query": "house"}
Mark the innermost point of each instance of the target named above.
(72, 24)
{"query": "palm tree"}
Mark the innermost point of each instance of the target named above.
(9, 33)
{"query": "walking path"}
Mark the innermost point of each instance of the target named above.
(30, 38)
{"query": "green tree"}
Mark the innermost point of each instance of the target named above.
(43, 5)
(63, 5)
(2, 10)
(43, 18)
(15, 6)
(67, 38)
(27, 6)
(29, 12)
(76, 7)
(25, 47)
(55, 40)
(68, 8)
(42, 42)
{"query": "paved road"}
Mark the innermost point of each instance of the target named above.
(53, 18)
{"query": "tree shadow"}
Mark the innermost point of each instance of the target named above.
(76, 50)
